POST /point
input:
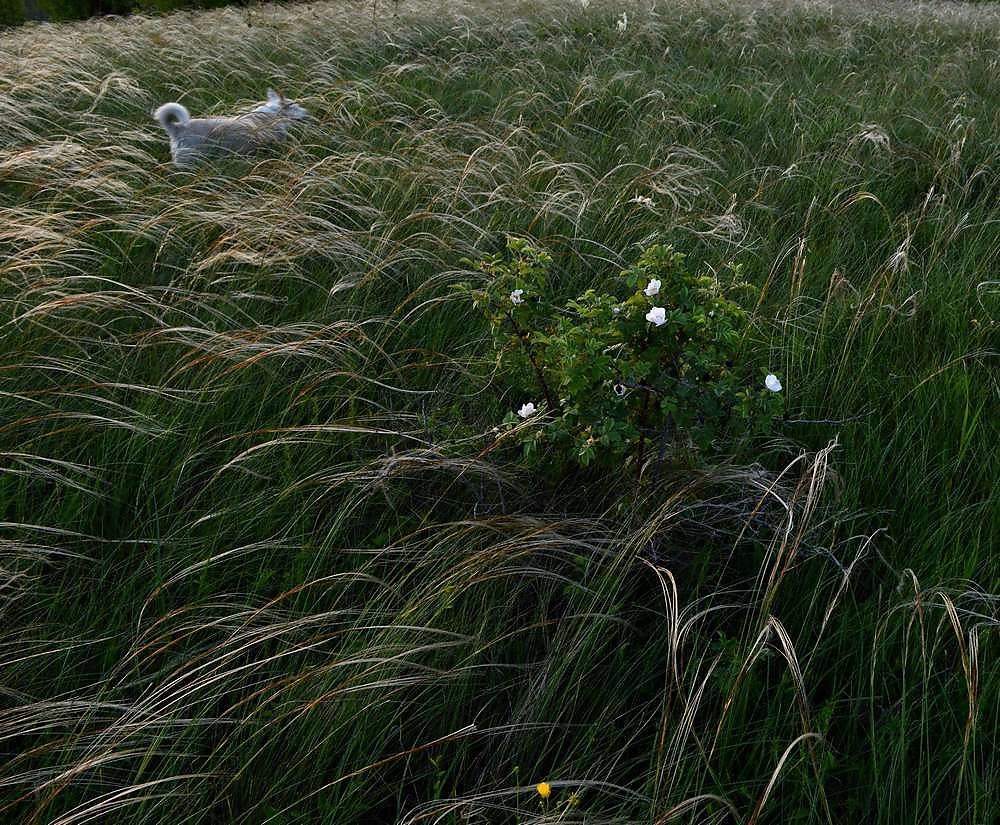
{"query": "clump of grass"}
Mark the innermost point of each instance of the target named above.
(262, 558)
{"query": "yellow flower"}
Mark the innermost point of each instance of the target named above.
(544, 789)
(574, 800)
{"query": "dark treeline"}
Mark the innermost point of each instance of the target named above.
(13, 12)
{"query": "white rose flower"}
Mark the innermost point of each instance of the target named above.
(527, 410)
(772, 383)
(657, 316)
(652, 288)
(516, 297)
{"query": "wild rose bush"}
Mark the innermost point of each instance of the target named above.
(648, 366)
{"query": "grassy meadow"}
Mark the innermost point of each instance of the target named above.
(265, 556)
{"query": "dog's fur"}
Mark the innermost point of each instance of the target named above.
(199, 138)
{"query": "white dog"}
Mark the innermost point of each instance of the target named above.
(194, 139)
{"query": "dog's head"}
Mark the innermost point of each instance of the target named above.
(278, 104)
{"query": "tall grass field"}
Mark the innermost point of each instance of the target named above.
(275, 546)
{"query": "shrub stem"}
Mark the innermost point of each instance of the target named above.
(522, 336)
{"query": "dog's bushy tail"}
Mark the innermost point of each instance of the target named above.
(172, 115)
